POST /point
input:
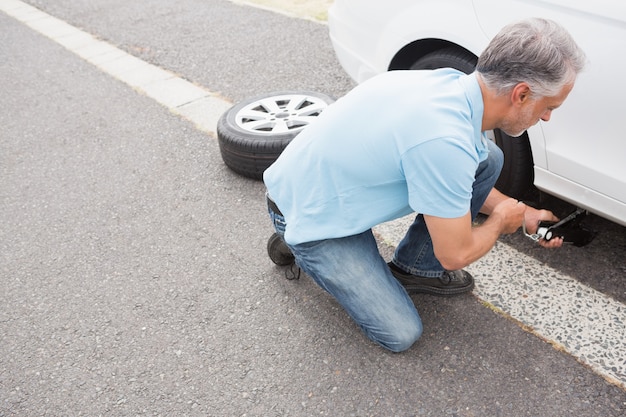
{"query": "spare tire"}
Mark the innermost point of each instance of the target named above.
(253, 133)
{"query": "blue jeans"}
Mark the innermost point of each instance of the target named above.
(352, 270)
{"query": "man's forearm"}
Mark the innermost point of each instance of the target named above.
(493, 199)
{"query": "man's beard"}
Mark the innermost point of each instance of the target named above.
(520, 125)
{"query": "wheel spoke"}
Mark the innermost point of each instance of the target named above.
(305, 105)
(295, 103)
(312, 110)
(251, 114)
(270, 105)
(302, 120)
(280, 126)
(258, 125)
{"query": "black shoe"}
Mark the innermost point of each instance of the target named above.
(278, 251)
(450, 283)
(281, 255)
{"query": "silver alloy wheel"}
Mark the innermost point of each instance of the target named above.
(280, 114)
(254, 132)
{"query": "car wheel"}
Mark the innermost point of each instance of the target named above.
(516, 178)
(253, 133)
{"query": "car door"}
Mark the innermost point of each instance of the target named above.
(583, 146)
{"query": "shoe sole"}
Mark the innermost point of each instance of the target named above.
(442, 292)
(428, 289)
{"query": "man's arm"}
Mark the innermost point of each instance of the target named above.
(457, 244)
(494, 198)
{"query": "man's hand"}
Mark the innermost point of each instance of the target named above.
(511, 214)
(532, 218)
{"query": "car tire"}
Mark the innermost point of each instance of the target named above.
(253, 133)
(516, 178)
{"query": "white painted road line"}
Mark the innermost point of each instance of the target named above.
(192, 102)
(571, 316)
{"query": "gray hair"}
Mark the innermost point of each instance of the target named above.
(537, 51)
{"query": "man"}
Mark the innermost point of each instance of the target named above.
(412, 141)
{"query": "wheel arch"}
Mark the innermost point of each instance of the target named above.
(413, 51)
(414, 32)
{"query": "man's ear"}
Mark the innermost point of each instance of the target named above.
(520, 94)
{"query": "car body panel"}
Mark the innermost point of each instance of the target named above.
(374, 47)
(584, 145)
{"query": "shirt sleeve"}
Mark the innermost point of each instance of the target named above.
(440, 175)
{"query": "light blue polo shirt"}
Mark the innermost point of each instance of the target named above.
(401, 142)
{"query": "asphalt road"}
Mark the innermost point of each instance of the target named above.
(133, 266)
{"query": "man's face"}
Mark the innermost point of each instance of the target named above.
(533, 110)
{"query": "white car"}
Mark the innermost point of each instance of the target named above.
(580, 154)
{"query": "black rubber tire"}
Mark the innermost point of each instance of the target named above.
(458, 59)
(250, 151)
(517, 176)
(278, 251)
